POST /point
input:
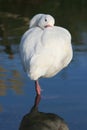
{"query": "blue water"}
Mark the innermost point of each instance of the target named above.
(64, 95)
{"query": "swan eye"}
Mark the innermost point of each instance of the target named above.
(45, 20)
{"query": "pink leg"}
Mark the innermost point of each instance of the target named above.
(37, 87)
(37, 100)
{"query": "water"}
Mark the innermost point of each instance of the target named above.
(64, 95)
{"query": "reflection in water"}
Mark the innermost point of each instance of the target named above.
(11, 80)
(1, 109)
(6, 43)
(36, 120)
(8, 50)
(3, 86)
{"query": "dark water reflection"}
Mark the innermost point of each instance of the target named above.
(36, 120)
(65, 94)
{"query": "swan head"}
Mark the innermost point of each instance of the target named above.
(42, 21)
(46, 21)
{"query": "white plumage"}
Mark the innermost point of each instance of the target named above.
(45, 49)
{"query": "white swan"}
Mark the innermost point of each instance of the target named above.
(45, 49)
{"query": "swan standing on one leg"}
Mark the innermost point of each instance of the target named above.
(45, 49)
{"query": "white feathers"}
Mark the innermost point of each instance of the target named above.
(45, 49)
(34, 21)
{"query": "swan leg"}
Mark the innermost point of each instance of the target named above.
(37, 87)
(37, 100)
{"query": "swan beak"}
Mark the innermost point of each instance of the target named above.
(48, 26)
